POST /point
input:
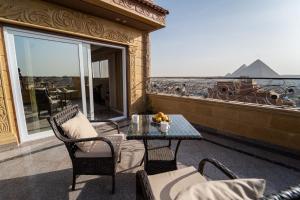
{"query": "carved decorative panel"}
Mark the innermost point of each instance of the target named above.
(57, 17)
(146, 56)
(4, 123)
(132, 54)
(7, 125)
(141, 9)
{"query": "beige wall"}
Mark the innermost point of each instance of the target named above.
(271, 125)
(43, 16)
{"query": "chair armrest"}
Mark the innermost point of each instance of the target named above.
(143, 188)
(293, 193)
(93, 139)
(218, 165)
(109, 121)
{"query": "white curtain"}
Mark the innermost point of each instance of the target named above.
(100, 69)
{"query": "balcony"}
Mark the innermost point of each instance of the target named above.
(59, 57)
(42, 169)
(230, 113)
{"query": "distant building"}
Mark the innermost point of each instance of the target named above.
(247, 90)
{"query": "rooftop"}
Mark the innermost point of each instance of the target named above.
(42, 169)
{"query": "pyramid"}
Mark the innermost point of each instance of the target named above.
(237, 72)
(256, 69)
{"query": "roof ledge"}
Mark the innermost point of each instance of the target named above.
(141, 14)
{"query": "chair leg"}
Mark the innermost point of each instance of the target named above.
(120, 157)
(74, 181)
(138, 189)
(113, 183)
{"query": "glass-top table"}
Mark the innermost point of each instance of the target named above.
(180, 128)
(163, 158)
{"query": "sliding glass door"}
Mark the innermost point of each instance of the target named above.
(47, 78)
(48, 73)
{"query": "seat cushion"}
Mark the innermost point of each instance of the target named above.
(79, 127)
(167, 185)
(237, 189)
(105, 129)
(102, 149)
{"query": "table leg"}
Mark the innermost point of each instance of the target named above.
(176, 150)
(170, 144)
(145, 157)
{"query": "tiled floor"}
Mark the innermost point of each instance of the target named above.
(42, 170)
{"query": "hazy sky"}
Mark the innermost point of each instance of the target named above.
(36, 57)
(214, 37)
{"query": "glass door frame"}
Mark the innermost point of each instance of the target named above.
(9, 34)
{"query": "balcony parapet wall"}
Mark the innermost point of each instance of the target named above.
(263, 123)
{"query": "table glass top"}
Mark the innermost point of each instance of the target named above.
(180, 128)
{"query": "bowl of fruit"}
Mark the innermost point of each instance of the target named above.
(160, 117)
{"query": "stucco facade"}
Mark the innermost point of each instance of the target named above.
(52, 18)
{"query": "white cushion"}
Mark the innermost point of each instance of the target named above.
(237, 189)
(79, 127)
(167, 185)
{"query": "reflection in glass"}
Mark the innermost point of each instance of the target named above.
(49, 77)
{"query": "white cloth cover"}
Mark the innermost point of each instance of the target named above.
(79, 127)
(237, 189)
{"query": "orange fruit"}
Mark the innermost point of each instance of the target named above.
(159, 119)
(160, 114)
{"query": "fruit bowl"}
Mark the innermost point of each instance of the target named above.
(160, 117)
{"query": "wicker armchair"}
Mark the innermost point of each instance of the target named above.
(45, 101)
(144, 188)
(88, 163)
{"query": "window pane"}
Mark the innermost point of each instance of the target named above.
(49, 76)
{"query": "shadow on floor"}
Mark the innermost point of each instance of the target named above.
(56, 185)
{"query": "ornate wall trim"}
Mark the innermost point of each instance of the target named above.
(8, 132)
(4, 122)
(56, 17)
(142, 10)
(132, 75)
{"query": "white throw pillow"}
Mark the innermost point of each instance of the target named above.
(79, 127)
(236, 189)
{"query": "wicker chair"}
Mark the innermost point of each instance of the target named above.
(144, 183)
(83, 164)
(45, 101)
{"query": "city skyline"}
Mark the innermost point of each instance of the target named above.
(205, 38)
